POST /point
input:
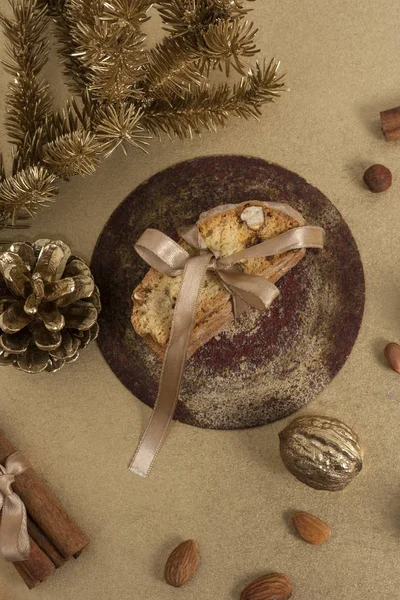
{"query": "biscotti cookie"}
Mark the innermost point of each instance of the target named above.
(226, 230)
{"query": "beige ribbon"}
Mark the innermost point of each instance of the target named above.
(167, 257)
(14, 538)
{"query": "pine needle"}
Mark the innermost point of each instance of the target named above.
(28, 102)
(209, 107)
(124, 93)
(225, 43)
(120, 125)
(103, 43)
(75, 153)
(28, 190)
(188, 16)
(172, 68)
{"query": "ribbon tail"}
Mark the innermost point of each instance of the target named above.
(239, 305)
(246, 290)
(14, 538)
(173, 366)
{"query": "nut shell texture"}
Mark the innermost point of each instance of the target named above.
(268, 587)
(312, 529)
(182, 564)
(322, 452)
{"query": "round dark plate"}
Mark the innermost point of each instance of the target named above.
(265, 365)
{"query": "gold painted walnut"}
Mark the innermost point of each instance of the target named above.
(322, 452)
(49, 305)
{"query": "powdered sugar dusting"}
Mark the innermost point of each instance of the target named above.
(264, 390)
(265, 365)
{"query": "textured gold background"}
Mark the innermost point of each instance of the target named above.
(229, 490)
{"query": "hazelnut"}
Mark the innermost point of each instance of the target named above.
(377, 178)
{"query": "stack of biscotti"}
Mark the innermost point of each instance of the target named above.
(226, 230)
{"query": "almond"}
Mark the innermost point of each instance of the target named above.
(182, 564)
(139, 294)
(268, 587)
(392, 353)
(312, 529)
(253, 216)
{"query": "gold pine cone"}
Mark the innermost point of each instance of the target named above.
(49, 304)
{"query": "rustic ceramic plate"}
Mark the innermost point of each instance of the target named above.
(266, 365)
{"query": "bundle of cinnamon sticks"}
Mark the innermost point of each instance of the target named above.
(54, 537)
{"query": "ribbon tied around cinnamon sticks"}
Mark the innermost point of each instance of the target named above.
(14, 538)
(167, 257)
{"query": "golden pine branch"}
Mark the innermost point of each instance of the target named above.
(124, 92)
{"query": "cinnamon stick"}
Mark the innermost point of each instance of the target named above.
(45, 510)
(390, 121)
(37, 568)
(44, 544)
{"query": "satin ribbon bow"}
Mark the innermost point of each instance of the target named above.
(14, 538)
(167, 257)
